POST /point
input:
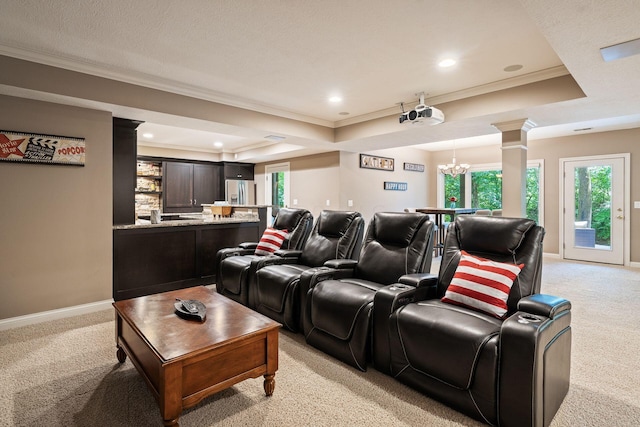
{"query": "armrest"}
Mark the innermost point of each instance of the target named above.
(248, 245)
(288, 253)
(535, 355)
(419, 280)
(385, 302)
(227, 252)
(310, 278)
(544, 305)
(341, 263)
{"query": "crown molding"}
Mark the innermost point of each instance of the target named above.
(158, 83)
(181, 88)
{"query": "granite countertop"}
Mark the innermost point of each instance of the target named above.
(186, 221)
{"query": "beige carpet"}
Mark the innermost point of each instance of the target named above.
(65, 373)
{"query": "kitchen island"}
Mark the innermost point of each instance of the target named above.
(152, 258)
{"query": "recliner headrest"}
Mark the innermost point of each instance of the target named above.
(479, 233)
(288, 218)
(397, 228)
(335, 223)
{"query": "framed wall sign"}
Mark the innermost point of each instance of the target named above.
(368, 161)
(35, 148)
(395, 186)
(415, 167)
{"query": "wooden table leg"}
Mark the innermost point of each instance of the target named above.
(121, 355)
(171, 393)
(269, 384)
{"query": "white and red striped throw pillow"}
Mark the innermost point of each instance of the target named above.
(482, 284)
(271, 241)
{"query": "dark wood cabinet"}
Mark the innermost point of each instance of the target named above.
(207, 183)
(188, 185)
(178, 187)
(238, 171)
(125, 149)
(160, 259)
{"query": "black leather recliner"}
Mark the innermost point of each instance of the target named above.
(338, 299)
(510, 371)
(336, 235)
(236, 267)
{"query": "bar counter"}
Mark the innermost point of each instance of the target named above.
(152, 258)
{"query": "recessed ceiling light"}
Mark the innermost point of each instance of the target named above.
(147, 135)
(449, 62)
(218, 144)
(335, 99)
(514, 67)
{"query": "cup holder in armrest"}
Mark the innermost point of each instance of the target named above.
(400, 286)
(528, 318)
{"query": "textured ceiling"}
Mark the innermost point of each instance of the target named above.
(288, 57)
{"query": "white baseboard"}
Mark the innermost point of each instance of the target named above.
(551, 255)
(47, 316)
(634, 264)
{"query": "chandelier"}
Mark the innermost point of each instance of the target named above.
(453, 168)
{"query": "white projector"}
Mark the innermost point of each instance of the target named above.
(422, 114)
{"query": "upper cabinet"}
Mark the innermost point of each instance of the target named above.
(188, 185)
(238, 171)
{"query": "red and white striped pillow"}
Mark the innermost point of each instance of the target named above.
(271, 241)
(482, 284)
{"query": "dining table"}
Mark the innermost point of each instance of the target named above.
(440, 216)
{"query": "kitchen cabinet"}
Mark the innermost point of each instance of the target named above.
(242, 171)
(207, 183)
(189, 185)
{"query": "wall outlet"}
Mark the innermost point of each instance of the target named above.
(636, 205)
(350, 203)
(328, 202)
(295, 202)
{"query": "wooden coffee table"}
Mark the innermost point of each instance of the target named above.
(184, 361)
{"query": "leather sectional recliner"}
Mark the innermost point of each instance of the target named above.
(338, 301)
(236, 267)
(508, 371)
(335, 235)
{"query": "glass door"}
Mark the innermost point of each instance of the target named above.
(276, 189)
(594, 210)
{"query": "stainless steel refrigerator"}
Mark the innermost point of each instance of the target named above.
(240, 192)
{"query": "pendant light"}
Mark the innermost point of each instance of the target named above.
(452, 168)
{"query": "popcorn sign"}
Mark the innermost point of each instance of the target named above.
(28, 147)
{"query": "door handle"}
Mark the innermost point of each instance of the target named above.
(620, 217)
(619, 209)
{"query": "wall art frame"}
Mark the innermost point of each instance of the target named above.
(37, 148)
(414, 167)
(367, 161)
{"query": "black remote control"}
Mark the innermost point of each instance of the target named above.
(188, 305)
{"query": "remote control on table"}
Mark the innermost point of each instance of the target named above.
(188, 305)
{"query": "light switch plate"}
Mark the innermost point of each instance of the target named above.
(636, 205)
(350, 203)
(295, 202)
(328, 202)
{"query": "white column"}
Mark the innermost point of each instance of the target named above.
(514, 166)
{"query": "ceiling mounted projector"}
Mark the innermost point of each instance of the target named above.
(422, 114)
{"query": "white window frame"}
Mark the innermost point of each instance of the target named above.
(494, 166)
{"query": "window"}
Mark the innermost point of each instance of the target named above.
(481, 188)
